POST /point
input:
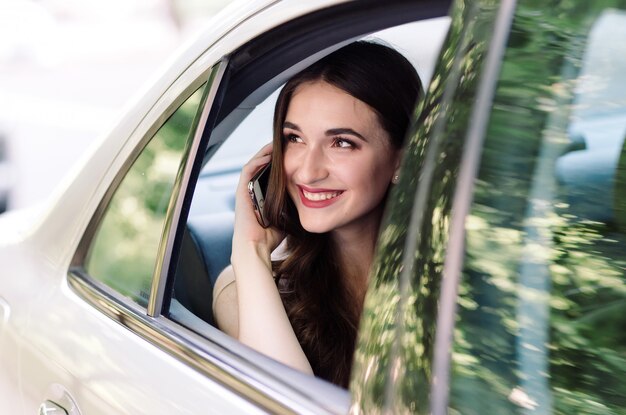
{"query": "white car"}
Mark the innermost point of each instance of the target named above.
(498, 285)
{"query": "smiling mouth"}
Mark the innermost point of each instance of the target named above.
(320, 196)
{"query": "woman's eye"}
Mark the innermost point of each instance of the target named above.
(292, 138)
(343, 143)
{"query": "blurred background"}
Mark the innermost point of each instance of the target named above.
(67, 69)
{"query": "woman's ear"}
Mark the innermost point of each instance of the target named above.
(396, 173)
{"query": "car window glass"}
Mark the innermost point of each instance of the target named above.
(124, 250)
(542, 304)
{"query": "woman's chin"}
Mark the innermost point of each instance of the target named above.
(316, 227)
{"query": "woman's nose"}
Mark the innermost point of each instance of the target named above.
(312, 165)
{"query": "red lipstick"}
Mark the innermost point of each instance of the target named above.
(333, 196)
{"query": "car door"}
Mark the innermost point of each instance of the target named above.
(79, 356)
(83, 338)
(115, 333)
(505, 294)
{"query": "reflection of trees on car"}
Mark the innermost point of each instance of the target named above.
(541, 305)
(548, 254)
(126, 246)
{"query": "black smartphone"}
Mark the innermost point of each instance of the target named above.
(257, 187)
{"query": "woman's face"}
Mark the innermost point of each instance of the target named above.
(338, 159)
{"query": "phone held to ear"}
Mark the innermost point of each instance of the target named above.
(257, 187)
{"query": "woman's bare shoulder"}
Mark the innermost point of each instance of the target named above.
(225, 304)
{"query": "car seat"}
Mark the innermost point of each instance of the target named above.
(205, 251)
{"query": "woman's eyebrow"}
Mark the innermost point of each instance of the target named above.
(349, 131)
(292, 126)
(331, 132)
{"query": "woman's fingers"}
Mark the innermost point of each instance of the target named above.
(247, 228)
(260, 159)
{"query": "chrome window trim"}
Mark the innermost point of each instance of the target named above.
(463, 196)
(205, 355)
(181, 184)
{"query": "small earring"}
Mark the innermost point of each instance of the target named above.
(395, 179)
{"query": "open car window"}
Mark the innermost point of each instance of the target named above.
(242, 128)
(207, 239)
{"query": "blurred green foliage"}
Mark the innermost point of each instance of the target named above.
(124, 251)
(584, 261)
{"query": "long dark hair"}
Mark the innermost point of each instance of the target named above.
(322, 311)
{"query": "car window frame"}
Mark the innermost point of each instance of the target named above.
(462, 200)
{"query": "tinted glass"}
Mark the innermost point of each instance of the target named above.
(542, 305)
(124, 251)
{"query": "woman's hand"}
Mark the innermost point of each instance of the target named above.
(248, 233)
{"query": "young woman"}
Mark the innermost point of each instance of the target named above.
(338, 132)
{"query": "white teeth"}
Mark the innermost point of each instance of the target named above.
(320, 196)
